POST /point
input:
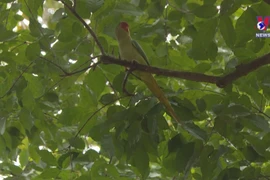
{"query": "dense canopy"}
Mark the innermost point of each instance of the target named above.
(64, 115)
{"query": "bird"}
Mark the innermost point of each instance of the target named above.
(130, 50)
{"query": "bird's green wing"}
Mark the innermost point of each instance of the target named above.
(137, 46)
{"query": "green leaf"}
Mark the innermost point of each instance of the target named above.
(231, 173)
(28, 100)
(64, 160)
(47, 157)
(195, 131)
(3, 146)
(7, 35)
(2, 125)
(183, 156)
(134, 132)
(34, 84)
(206, 11)
(202, 67)
(77, 143)
(49, 173)
(161, 50)
(174, 15)
(127, 8)
(96, 81)
(7, 1)
(59, 14)
(202, 46)
(206, 163)
(87, 98)
(15, 169)
(97, 167)
(26, 119)
(229, 6)
(140, 160)
(227, 30)
(180, 2)
(257, 144)
(144, 106)
(236, 111)
(51, 96)
(69, 115)
(118, 83)
(105, 10)
(244, 54)
(24, 157)
(210, 2)
(175, 143)
(34, 6)
(108, 98)
(247, 19)
(85, 7)
(201, 104)
(169, 162)
(33, 153)
(251, 172)
(84, 47)
(256, 122)
(155, 9)
(35, 27)
(32, 51)
(77, 28)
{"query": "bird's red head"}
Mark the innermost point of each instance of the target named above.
(124, 26)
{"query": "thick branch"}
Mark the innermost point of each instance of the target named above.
(165, 72)
(221, 81)
(243, 69)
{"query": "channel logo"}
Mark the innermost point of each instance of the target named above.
(262, 25)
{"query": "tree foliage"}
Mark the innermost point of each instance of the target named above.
(65, 116)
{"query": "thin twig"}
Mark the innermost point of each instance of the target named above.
(63, 76)
(8, 14)
(38, 26)
(74, 4)
(110, 84)
(85, 63)
(17, 79)
(85, 25)
(99, 109)
(30, 11)
(81, 70)
(177, 8)
(51, 116)
(52, 86)
(59, 67)
(18, 46)
(125, 82)
(166, 33)
(261, 112)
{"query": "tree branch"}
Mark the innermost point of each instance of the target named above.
(128, 72)
(17, 79)
(243, 69)
(165, 72)
(221, 81)
(85, 25)
(98, 110)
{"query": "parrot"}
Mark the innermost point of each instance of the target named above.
(130, 50)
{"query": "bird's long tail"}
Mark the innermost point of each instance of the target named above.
(151, 83)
